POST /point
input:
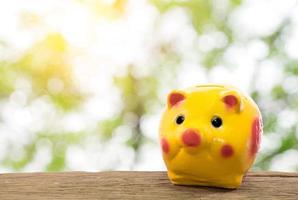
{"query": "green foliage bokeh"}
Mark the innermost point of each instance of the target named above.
(49, 59)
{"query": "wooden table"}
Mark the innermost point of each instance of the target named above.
(139, 185)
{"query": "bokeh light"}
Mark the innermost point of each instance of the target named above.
(83, 82)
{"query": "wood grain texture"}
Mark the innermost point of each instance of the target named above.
(139, 185)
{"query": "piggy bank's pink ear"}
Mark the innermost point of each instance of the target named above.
(232, 100)
(174, 98)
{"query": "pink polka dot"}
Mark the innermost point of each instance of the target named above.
(230, 101)
(165, 145)
(191, 138)
(256, 131)
(227, 151)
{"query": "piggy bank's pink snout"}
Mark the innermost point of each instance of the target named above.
(191, 138)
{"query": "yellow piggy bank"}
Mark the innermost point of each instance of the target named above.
(209, 135)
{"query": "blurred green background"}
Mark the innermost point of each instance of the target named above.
(83, 82)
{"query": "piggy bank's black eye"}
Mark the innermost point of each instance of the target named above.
(216, 121)
(180, 119)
